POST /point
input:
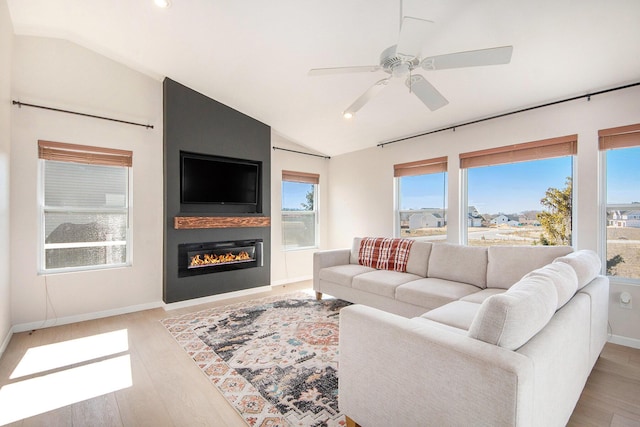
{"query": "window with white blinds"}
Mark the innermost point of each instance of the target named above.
(84, 205)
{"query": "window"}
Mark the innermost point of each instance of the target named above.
(299, 210)
(421, 208)
(620, 150)
(520, 194)
(84, 207)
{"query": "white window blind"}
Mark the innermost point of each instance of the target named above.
(84, 207)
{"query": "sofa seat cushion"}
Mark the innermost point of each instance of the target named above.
(508, 264)
(343, 274)
(458, 314)
(459, 263)
(382, 282)
(479, 297)
(432, 293)
(586, 264)
(512, 318)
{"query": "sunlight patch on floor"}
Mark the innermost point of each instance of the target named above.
(45, 392)
(67, 353)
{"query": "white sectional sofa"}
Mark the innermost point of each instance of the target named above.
(498, 336)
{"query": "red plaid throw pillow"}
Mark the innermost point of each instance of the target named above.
(384, 253)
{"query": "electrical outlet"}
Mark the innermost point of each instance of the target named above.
(626, 301)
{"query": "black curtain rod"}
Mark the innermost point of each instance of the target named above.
(588, 96)
(301, 152)
(21, 104)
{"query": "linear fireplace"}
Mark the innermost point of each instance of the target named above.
(213, 257)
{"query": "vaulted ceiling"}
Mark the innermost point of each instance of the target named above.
(254, 55)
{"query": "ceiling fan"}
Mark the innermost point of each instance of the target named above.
(403, 58)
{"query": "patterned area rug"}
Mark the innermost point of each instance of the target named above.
(274, 359)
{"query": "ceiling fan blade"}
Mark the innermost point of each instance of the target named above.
(471, 58)
(425, 91)
(342, 70)
(413, 35)
(367, 96)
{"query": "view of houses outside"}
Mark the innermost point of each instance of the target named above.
(422, 207)
(504, 202)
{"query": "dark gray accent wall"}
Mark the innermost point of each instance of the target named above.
(198, 124)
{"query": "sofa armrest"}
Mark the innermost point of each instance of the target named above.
(329, 258)
(398, 371)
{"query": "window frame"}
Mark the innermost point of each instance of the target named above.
(89, 155)
(610, 139)
(302, 178)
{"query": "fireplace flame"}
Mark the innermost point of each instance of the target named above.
(209, 259)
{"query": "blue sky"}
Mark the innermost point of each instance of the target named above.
(516, 187)
(294, 194)
(510, 188)
(623, 177)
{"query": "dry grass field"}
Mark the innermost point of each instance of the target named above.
(624, 241)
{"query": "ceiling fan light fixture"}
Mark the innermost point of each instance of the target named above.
(401, 70)
(162, 4)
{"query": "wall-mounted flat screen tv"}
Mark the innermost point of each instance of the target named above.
(218, 180)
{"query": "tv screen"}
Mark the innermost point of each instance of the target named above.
(220, 180)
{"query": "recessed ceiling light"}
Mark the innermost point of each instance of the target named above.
(348, 115)
(162, 3)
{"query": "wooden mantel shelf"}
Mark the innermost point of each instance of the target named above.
(194, 222)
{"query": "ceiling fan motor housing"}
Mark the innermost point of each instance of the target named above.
(397, 64)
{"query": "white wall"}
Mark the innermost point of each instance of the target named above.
(361, 183)
(6, 42)
(291, 266)
(60, 74)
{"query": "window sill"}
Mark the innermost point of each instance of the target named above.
(82, 269)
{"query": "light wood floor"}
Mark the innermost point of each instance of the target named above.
(170, 390)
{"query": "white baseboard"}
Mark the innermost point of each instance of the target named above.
(626, 341)
(289, 281)
(215, 298)
(5, 342)
(23, 327)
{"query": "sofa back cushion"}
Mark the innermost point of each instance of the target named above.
(459, 263)
(508, 264)
(562, 276)
(418, 261)
(512, 318)
(586, 264)
(355, 250)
